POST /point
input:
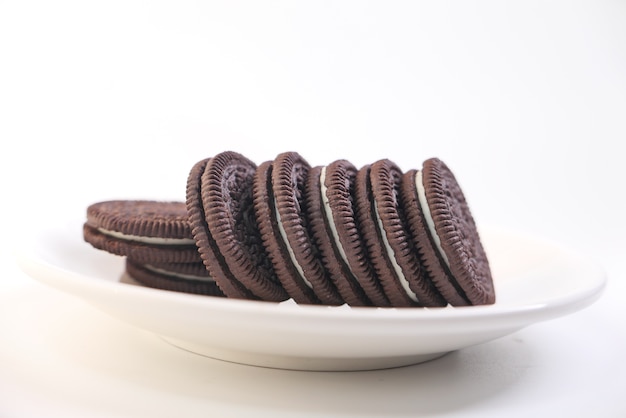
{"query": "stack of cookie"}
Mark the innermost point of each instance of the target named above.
(156, 240)
(332, 235)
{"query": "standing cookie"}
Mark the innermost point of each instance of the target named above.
(407, 278)
(444, 230)
(332, 218)
(285, 268)
(380, 216)
(281, 210)
(223, 222)
(373, 240)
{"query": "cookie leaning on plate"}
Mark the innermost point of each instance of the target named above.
(224, 225)
(387, 238)
(280, 207)
(332, 220)
(443, 229)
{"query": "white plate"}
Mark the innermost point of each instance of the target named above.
(535, 281)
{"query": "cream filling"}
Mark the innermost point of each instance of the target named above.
(292, 255)
(329, 217)
(179, 275)
(421, 195)
(392, 257)
(148, 240)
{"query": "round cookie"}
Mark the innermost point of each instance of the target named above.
(285, 269)
(177, 277)
(144, 230)
(221, 214)
(373, 240)
(444, 230)
(279, 199)
(394, 256)
(333, 222)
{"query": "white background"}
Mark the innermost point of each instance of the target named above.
(524, 100)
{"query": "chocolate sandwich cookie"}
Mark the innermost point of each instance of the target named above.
(177, 277)
(224, 225)
(444, 231)
(391, 251)
(373, 241)
(332, 219)
(279, 253)
(281, 210)
(143, 230)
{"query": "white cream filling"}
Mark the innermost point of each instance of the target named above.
(148, 240)
(292, 255)
(179, 275)
(392, 257)
(421, 195)
(329, 217)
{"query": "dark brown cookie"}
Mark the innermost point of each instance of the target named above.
(277, 249)
(444, 230)
(374, 245)
(281, 208)
(333, 222)
(432, 260)
(221, 215)
(185, 277)
(394, 255)
(144, 230)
